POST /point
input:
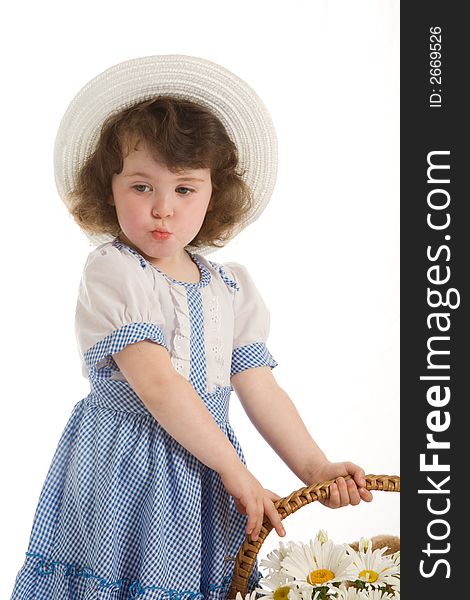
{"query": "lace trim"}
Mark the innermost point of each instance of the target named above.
(46, 567)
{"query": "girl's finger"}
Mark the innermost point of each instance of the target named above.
(272, 496)
(353, 492)
(258, 520)
(334, 499)
(366, 495)
(275, 518)
(252, 517)
(343, 491)
(359, 476)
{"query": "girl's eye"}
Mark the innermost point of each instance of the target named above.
(139, 187)
(184, 191)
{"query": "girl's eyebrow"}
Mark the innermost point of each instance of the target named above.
(184, 178)
(180, 178)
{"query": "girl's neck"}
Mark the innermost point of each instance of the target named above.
(188, 272)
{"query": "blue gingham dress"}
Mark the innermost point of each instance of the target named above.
(125, 510)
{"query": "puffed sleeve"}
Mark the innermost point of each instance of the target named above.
(251, 323)
(116, 306)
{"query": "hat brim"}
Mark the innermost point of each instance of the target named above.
(232, 100)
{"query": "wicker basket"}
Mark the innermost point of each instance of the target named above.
(247, 554)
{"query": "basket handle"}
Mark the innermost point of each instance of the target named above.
(247, 554)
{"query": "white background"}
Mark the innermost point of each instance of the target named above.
(324, 254)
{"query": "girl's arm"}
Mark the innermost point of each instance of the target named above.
(276, 418)
(180, 411)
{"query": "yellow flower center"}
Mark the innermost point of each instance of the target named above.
(369, 576)
(281, 593)
(320, 576)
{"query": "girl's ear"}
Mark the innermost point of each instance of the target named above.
(110, 200)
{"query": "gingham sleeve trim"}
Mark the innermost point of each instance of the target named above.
(120, 338)
(251, 355)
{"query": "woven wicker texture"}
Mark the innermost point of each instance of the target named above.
(286, 506)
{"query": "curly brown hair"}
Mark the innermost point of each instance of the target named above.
(181, 135)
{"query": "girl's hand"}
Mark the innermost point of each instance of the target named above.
(252, 499)
(342, 492)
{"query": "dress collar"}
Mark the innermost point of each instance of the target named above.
(205, 274)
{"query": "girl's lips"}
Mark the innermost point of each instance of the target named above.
(161, 235)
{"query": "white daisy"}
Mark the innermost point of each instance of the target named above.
(364, 543)
(353, 593)
(274, 558)
(251, 596)
(373, 568)
(331, 594)
(350, 593)
(396, 558)
(372, 594)
(276, 586)
(317, 564)
(300, 594)
(322, 536)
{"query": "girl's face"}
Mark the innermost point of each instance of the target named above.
(149, 198)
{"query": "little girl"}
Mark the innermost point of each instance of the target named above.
(160, 160)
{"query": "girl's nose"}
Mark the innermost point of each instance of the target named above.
(162, 206)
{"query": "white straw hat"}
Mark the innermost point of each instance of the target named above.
(233, 101)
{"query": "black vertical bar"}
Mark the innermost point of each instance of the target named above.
(435, 230)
